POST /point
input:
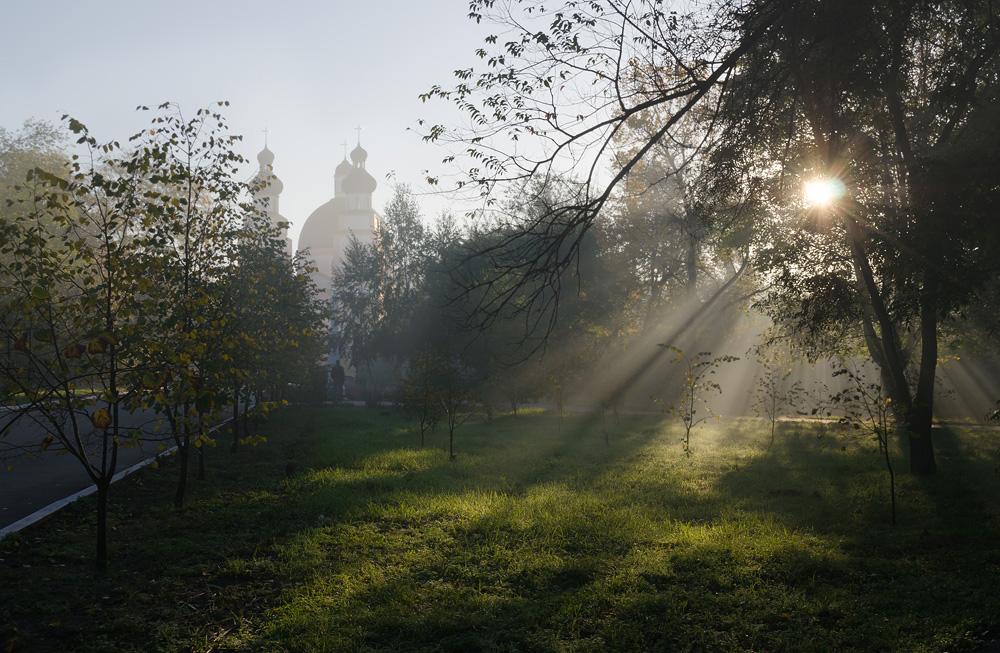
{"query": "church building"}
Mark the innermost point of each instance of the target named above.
(266, 197)
(327, 231)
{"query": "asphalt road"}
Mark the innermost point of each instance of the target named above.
(37, 482)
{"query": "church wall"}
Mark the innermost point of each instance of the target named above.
(324, 268)
(361, 225)
(327, 231)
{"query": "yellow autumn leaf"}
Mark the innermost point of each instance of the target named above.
(101, 418)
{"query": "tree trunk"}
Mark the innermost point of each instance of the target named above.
(236, 424)
(915, 414)
(201, 462)
(450, 407)
(921, 445)
(883, 442)
(691, 255)
(182, 450)
(890, 349)
(256, 416)
(103, 487)
(922, 410)
(425, 419)
(246, 417)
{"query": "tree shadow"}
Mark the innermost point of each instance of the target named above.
(817, 485)
(547, 538)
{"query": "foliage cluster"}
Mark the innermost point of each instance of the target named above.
(867, 409)
(688, 133)
(691, 407)
(419, 300)
(141, 278)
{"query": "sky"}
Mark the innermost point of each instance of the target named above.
(309, 72)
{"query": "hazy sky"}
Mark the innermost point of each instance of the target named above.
(308, 71)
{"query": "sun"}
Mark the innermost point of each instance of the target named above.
(824, 192)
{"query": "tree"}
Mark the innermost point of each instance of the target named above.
(420, 389)
(378, 288)
(569, 78)
(122, 287)
(437, 387)
(773, 392)
(661, 220)
(867, 408)
(892, 100)
(902, 247)
(358, 306)
(276, 331)
(198, 210)
(455, 397)
(691, 407)
(72, 285)
(407, 248)
(36, 144)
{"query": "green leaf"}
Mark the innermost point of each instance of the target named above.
(204, 402)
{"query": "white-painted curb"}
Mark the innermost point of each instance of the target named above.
(39, 515)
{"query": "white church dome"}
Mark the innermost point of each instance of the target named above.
(345, 168)
(322, 226)
(268, 182)
(265, 158)
(328, 229)
(359, 181)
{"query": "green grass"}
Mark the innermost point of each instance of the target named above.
(537, 538)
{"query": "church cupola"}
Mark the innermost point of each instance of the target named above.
(267, 188)
(270, 185)
(359, 156)
(359, 182)
(358, 185)
(340, 174)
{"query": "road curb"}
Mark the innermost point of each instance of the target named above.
(55, 507)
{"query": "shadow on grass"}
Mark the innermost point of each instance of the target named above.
(542, 538)
(546, 538)
(553, 540)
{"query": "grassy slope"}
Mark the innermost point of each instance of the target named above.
(537, 538)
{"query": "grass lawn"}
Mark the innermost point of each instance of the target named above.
(341, 533)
